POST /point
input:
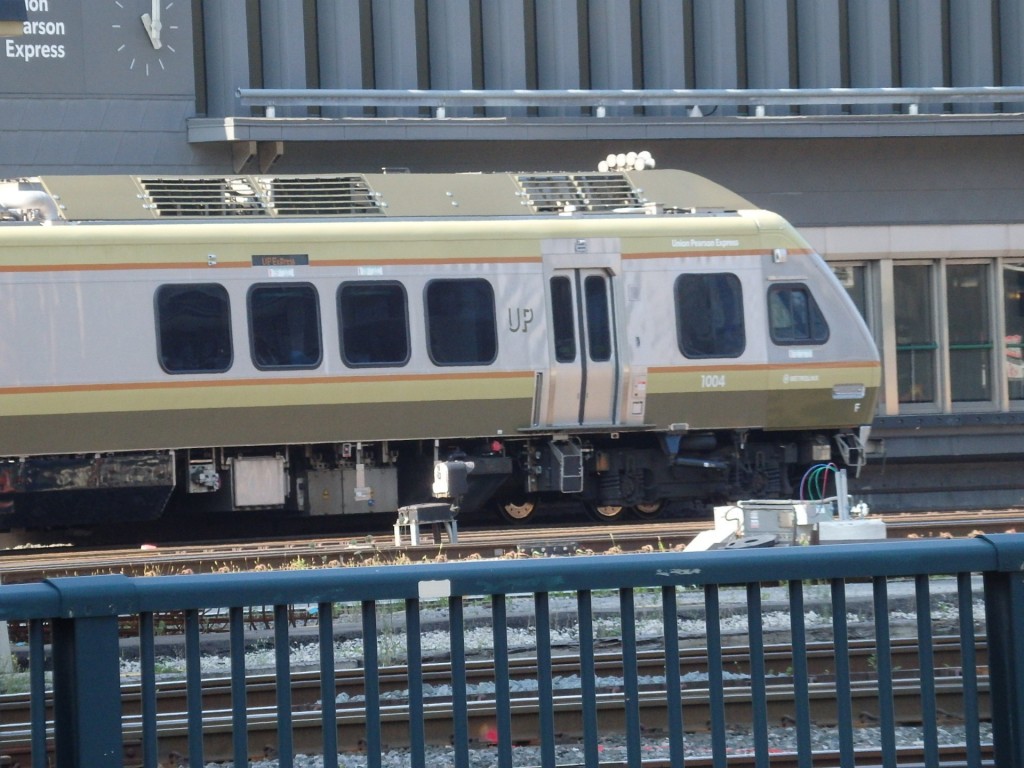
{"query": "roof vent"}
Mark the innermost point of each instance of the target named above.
(321, 196)
(202, 196)
(557, 193)
(282, 196)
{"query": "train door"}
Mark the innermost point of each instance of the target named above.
(585, 372)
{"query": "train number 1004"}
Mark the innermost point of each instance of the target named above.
(712, 380)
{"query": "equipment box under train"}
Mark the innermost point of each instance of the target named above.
(259, 481)
(352, 491)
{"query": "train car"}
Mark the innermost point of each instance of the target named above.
(314, 345)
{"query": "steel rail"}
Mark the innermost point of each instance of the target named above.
(307, 726)
(261, 691)
(29, 565)
(260, 688)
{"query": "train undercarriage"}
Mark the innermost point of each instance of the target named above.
(613, 475)
(642, 475)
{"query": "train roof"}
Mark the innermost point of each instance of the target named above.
(365, 196)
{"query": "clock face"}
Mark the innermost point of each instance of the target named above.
(147, 35)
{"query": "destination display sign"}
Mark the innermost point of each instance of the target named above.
(276, 260)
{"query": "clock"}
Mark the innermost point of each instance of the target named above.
(146, 33)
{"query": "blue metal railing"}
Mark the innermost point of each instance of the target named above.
(79, 623)
(598, 100)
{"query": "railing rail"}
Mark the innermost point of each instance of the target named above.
(82, 617)
(599, 100)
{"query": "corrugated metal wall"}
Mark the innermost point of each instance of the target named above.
(558, 44)
(877, 171)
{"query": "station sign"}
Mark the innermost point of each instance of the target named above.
(100, 48)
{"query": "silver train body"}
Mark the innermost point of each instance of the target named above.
(313, 345)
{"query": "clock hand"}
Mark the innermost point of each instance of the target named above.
(157, 25)
(153, 25)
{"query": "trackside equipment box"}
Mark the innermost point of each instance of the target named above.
(850, 531)
(790, 522)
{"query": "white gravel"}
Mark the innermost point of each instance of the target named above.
(613, 748)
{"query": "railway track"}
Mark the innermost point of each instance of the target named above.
(30, 564)
(263, 719)
(34, 564)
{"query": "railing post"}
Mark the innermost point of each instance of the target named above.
(87, 693)
(1004, 619)
(6, 660)
(87, 671)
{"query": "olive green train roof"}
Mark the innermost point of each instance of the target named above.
(379, 195)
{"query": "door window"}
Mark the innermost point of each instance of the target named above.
(599, 332)
(563, 313)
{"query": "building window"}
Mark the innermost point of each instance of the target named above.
(709, 315)
(916, 347)
(284, 326)
(1013, 343)
(853, 278)
(374, 323)
(461, 324)
(969, 332)
(193, 328)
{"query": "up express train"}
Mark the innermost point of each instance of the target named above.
(315, 344)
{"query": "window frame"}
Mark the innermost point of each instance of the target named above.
(563, 318)
(429, 322)
(813, 309)
(405, 325)
(224, 323)
(734, 281)
(598, 313)
(250, 320)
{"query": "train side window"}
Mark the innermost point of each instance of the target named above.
(794, 316)
(284, 325)
(374, 322)
(461, 322)
(709, 315)
(563, 319)
(193, 328)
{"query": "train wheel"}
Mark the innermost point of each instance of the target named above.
(606, 513)
(519, 509)
(649, 510)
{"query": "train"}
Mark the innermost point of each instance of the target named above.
(315, 345)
